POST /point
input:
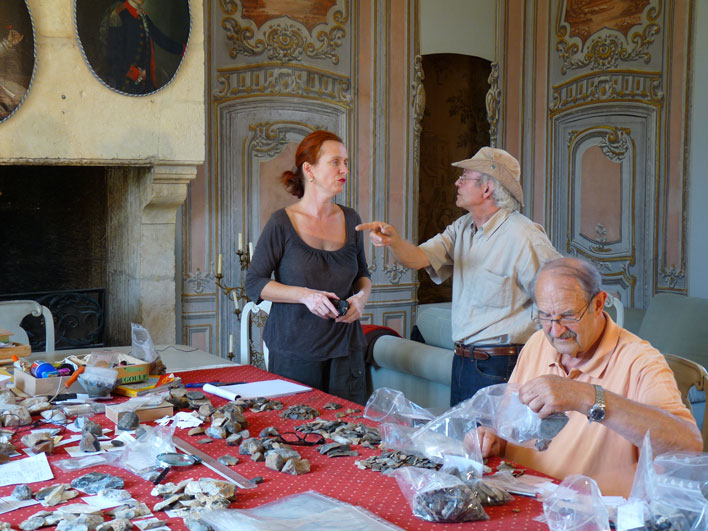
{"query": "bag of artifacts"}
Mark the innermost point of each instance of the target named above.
(576, 505)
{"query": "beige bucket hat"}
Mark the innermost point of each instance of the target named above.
(499, 164)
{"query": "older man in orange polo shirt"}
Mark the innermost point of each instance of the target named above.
(613, 385)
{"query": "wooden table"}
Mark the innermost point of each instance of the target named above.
(335, 477)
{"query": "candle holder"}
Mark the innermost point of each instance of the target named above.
(237, 293)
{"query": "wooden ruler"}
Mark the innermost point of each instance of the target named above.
(208, 461)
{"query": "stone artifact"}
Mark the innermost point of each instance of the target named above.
(332, 405)
(14, 415)
(335, 449)
(36, 404)
(94, 482)
(55, 416)
(196, 431)
(7, 397)
(300, 412)
(265, 404)
(344, 432)
(129, 512)
(448, 504)
(270, 431)
(89, 442)
(391, 460)
(489, 494)
(22, 492)
(40, 442)
(228, 460)
(89, 426)
(128, 421)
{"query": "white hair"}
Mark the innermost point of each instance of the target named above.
(501, 195)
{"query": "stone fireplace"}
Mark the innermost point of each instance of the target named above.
(135, 154)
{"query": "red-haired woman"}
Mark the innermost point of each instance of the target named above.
(318, 259)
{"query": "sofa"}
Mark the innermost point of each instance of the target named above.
(673, 323)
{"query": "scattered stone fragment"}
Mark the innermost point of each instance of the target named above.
(196, 431)
(36, 404)
(14, 415)
(55, 416)
(344, 432)
(206, 410)
(94, 482)
(340, 415)
(59, 495)
(119, 524)
(516, 510)
(193, 523)
(89, 442)
(245, 434)
(205, 440)
(116, 494)
(448, 504)
(270, 431)
(296, 467)
(234, 440)
(228, 460)
(128, 421)
(129, 511)
(166, 503)
(257, 480)
(336, 449)
(265, 404)
(4, 458)
(195, 395)
(274, 461)
(391, 460)
(216, 432)
(211, 487)
(89, 426)
(35, 521)
(7, 448)
(332, 405)
(300, 412)
(257, 457)
(72, 522)
(351, 411)
(22, 492)
(117, 443)
(7, 397)
(46, 491)
(39, 442)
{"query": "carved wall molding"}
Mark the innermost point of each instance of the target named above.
(418, 107)
(268, 140)
(646, 87)
(282, 38)
(616, 143)
(259, 80)
(493, 102)
(608, 47)
(199, 280)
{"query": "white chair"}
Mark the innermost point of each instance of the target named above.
(614, 302)
(247, 346)
(690, 374)
(12, 313)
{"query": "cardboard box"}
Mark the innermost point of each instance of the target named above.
(134, 370)
(17, 349)
(24, 381)
(145, 414)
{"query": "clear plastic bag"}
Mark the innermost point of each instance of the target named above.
(142, 346)
(576, 505)
(139, 457)
(438, 497)
(436, 439)
(391, 406)
(674, 488)
(499, 408)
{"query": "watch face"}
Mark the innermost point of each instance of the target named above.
(596, 413)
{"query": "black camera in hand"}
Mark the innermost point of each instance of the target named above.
(342, 306)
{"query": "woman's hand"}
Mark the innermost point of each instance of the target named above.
(357, 302)
(319, 303)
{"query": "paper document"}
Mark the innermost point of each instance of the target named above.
(265, 389)
(27, 470)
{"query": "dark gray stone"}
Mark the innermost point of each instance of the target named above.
(94, 482)
(128, 421)
(22, 492)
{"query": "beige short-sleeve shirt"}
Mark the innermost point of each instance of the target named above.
(492, 269)
(623, 364)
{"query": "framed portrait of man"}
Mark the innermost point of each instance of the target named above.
(17, 55)
(134, 47)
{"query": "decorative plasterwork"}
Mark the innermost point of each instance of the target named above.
(199, 280)
(671, 276)
(284, 39)
(283, 81)
(609, 46)
(418, 106)
(616, 144)
(608, 87)
(394, 272)
(493, 101)
(267, 140)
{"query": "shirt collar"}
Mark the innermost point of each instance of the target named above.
(606, 346)
(496, 221)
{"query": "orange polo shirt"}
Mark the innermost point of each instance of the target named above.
(624, 364)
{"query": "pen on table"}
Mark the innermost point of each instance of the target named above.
(217, 384)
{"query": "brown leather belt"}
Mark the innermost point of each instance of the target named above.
(484, 352)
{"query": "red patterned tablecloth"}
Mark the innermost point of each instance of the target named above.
(336, 477)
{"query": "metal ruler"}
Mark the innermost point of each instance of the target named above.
(208, 461)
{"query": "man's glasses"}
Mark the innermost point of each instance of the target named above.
(308, 439)
(566, 320)
(462, 179)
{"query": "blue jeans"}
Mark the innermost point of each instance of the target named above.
(469, 375)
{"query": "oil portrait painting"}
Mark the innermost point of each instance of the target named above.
(17, 55)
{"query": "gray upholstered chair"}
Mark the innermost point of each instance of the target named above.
(12, 313)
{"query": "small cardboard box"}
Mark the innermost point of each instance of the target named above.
(130, 369)
(44, 386)
(145, 414)
(16, 349)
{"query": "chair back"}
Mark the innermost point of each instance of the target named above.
(690, 374)
(12, 313)
(616, 309)
(247, 346)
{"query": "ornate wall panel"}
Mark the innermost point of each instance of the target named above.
(277, 72)
(605, 160)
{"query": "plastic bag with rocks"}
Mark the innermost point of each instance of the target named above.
(499, 408)
(438, 497)
(576, 505)
(143, 348)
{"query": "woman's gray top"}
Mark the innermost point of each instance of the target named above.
(291, 328)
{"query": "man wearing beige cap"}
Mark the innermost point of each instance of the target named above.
(492, 254)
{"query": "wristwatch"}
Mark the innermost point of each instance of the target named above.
(598, 410)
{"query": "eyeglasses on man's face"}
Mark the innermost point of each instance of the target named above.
(466, 178)
(545, 320)
(298, 439)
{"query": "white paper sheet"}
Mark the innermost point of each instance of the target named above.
(102, 502)
(27, 470)
(8, 503)
(265, 389)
